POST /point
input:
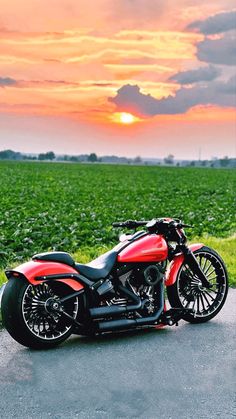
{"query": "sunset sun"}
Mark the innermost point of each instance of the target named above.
(124, 118)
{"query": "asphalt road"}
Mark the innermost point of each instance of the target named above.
(184, 372)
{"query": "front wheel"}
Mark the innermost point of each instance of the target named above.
(27, 315)
(188, 292)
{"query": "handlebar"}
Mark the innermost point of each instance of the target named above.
(178, 224)
(130, 223)
(174, 223)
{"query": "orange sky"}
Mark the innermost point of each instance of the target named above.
(66, 67)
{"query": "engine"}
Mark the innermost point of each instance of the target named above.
(143, 281)
(148, 275)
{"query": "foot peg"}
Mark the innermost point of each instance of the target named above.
(172, 316)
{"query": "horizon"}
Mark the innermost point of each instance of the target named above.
(143, 158)
(125, 78)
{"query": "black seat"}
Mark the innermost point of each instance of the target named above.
(98, 268)
(61, 257)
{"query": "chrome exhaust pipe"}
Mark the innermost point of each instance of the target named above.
(98, 312)
(119, 324)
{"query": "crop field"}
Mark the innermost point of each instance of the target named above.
(70, 207)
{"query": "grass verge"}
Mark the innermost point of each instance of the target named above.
(227, 250)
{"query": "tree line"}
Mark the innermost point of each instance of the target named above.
(93, 158)
(50, 156)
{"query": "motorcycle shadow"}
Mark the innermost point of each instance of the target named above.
(117, 336)
(184, 331)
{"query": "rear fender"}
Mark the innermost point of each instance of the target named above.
(176, 263)
(36, 268)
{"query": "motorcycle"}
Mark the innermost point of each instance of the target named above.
(51, 297)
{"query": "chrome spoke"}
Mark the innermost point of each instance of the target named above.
(204, 267)
(206, 292)
(189, 273)
(205, 297)
(209, 266)
(202, 301)
(210, 273)
(198, 309)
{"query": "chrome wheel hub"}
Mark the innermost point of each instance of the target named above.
(52, 305)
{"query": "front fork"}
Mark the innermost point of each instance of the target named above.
(193, 264)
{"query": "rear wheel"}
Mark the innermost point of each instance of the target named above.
(188, 292)
(28, 316)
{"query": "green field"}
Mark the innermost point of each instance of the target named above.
(70, 207)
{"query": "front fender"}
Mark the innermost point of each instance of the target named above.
(176, 263)
(34, 268)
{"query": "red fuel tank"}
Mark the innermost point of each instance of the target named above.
(151, 248)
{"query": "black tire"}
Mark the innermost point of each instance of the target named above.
(27, 321)
(187, 291)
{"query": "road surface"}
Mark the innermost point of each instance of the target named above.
(184, 372)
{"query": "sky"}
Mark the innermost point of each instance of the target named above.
(124, 77)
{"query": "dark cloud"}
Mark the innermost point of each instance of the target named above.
(218, 51)
(7, 81)
(129, 98)
(221, 50)
(221, 22)
(199, 74)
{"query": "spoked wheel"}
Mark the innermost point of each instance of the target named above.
(188, 292)
(29, 313)
(39, 316)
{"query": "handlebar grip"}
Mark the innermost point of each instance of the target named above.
(129, 223)
(182, 225)
(141, 223)
(117, 224)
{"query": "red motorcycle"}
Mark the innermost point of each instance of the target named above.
(52, 296)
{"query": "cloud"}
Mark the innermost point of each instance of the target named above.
(221, 22)
(218, 51)
(130, 98)
(229, 87)
(199, 74)
(7, 81)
